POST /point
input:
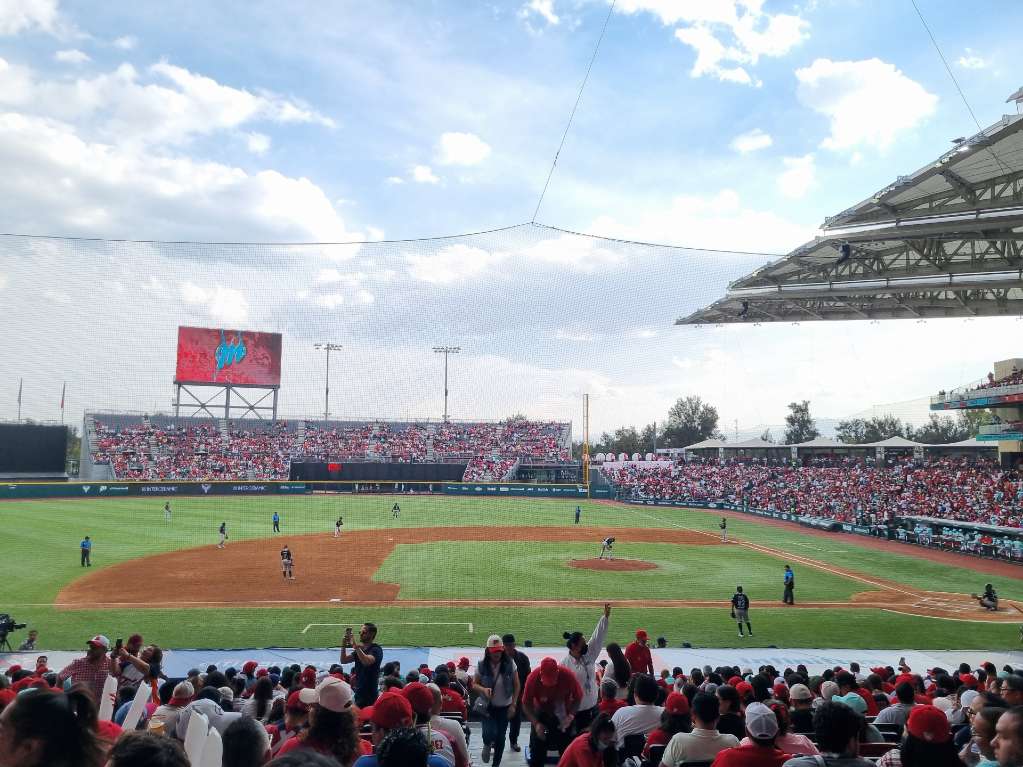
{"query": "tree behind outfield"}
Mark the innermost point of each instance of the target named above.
(690, 420)
(799, 424)
(857, 431)
(941, 430)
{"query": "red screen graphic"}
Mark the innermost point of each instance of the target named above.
(222, 356)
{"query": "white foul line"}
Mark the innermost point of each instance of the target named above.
(402, 623)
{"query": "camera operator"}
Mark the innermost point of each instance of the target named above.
(29, 644)
(367, 657)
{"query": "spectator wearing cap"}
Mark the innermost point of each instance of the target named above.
(581, 660)
(594, 748)
(787, 741)
(296, 719)
(332, 728)
(165, 718)
(730, 720)
(146, 749)
(847, 684)
(93, 669)
(462, 672)
(420, 698)
(759, 749)
(675, 718)
(522, 667)
(367, 656)
(898, 713)
(801, 714)
(837, 730)
(927, 741)
(705, 741)
(42, 728)
(497, 680)
(637, 653)
(449, 727)
(389, 713)
(207, 704)
(549, 701)
(641, 718)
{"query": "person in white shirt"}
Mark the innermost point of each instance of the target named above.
(581, 660)
(704, 742)
(449, 727)
(642, 718)
(899, 713)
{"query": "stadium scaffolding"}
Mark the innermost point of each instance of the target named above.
(945, 241)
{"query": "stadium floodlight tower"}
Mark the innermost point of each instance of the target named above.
(328, 347)
(446, 350)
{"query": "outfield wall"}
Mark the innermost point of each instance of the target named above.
(30, 490)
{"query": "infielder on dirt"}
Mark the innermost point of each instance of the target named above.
(337, 526)
(223, 535)
(287, 563)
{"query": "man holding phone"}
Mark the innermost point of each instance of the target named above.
(367, 656)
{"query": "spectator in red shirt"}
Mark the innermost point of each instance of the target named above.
(93, 669)
(762, 726)
(674, 718)
(595, 748)
(550, 700)
(609, 700)
(638, 655)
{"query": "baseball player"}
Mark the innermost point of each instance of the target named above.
(167, 511)
(724, 530)
(287, 563)
(605, 548)
(578, 513)
(395, 511)
(337, 526)
(223, 535)
(740, 610)
(277, 522)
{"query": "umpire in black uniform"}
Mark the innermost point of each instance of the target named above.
(522, 666)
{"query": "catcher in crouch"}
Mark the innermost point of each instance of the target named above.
(605, 548)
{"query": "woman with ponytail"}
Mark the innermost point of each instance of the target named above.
(44, 728)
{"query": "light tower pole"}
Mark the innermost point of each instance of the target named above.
(328, 347)
(446, 350)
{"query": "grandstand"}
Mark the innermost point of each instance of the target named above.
(159, 447)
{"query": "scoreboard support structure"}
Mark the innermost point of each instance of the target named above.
(229, 406)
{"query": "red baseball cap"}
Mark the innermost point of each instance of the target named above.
(548, 672)
(744, 688)
(734, 681)
(463, 663)
(928, 723)
(13, 670)
(676, 703)
(308, 678)
(641, 634)
(295, 703)
(969, 680)
(391, 710)
(249, 667)
(419, 696)
(451, 665)
(260, 673)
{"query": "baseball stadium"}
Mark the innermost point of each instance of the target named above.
(525, 490)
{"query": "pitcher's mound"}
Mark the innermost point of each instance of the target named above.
(617, 565)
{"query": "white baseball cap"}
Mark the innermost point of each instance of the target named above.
(761, 721)
(331, 693)
(99, 641)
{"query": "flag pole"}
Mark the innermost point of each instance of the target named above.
(21, 381)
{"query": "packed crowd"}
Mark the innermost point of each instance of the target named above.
(115, 707)
(1015, 378)
(945, 489)
(204, 451)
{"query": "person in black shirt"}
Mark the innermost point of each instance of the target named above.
(367, 657)
(730, 721)
(989, 599)
(740, 610)
(523, 669)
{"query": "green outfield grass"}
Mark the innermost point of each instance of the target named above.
(41, 556)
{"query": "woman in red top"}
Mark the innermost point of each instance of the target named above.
(675, 718)
(595, 748)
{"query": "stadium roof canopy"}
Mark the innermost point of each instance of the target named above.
(945, 241)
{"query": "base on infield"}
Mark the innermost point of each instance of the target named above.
(613, 565)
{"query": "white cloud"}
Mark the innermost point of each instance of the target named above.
(20, 15)
(728, 35)
(970, 60)
(544, 8)
(394, 180)
(225, 304)
(575, 253)
(330, 301)
(869, 102)
(454, 263)
(462, 149)
(423, 174)
(257, 143)
(644, 333)
(72, 56)
(751, 141)
(798, 177)
(126, 42)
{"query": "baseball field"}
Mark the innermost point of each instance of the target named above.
(450, 571)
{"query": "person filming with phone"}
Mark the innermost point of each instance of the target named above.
(367, 656)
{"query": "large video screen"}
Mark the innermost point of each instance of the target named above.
(30, 448)
(222, 356)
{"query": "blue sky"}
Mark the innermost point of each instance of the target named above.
(718, 124)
